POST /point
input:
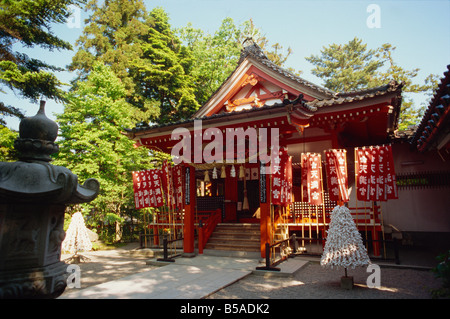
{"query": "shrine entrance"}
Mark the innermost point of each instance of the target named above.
(225, 187)
(258, 108)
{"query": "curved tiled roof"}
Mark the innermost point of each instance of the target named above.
(348, 97)
(296, 105)
(252, 50)
(436, 109)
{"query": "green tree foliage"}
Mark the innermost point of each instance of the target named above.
(346, 67)
(163, 70)
(352, 66)
(110, 37)
(28, 22)
(216, 55)
(7, 138)
(93, 145)
(144, 53)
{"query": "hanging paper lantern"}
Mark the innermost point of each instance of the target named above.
(233, 171)
(223, 174)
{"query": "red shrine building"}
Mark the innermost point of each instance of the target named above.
(307, 119)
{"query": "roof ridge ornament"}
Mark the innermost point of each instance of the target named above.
(249, 46)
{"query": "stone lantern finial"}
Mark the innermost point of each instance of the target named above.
(37, 137)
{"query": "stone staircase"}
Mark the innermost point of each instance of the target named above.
(235, 237)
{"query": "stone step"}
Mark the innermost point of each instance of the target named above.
(235, 237)
(237, 230)
(228, 236)
(230, 239)
(235, 247)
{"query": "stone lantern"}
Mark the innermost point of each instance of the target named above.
(33, 198)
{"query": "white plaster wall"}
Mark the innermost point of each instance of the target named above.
(421, 209)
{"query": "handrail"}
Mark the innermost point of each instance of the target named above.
(206, 228)
(269, 265)
(166, 256)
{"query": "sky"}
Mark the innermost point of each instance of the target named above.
(420, 31)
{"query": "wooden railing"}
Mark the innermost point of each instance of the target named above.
(206, 228)
(301, 214)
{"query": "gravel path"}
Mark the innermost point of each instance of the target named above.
(312, 281)
(315, 282)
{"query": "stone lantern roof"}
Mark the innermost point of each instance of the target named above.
(33, 178)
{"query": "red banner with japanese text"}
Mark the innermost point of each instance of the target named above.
(362, 173)
(147, 188)
(337, 179)
(288, 180)
(312, 178)
(281, 178)
(155, 190)
(375, 174)
(390, 180)
(178, 186)
(304, 177)
(138, 188)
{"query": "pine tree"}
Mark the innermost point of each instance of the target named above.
(163, 71)
(344, 246)
(144, 53)
(110, 37)
(346, 67)
(352, 66)
(28, 22)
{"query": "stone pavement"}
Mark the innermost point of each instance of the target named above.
(186, 278)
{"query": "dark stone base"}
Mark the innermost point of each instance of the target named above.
(36, 283)
(347, 283)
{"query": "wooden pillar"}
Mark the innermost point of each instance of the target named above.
(156, 234)
(265, 227)
(231, 197)
(265, 223)
(189, 211)
(335, 136)
(375, 235)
